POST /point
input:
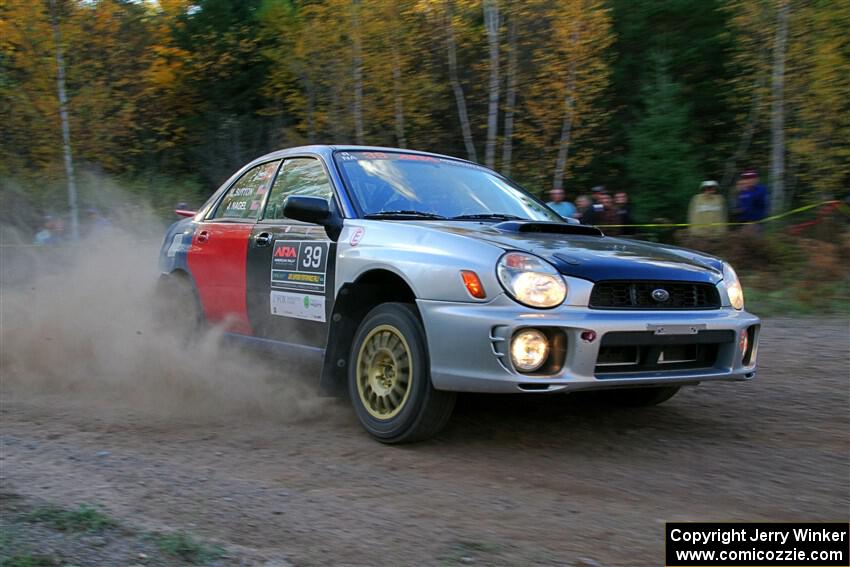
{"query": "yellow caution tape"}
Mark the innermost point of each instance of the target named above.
(743, 223)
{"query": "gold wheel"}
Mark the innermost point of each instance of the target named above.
(384, 372)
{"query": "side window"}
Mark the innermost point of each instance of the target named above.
(244, 198)
(298, 176)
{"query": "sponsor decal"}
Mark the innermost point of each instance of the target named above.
(356, 236)
(392, 156)
(417, 157)
(286, 252)
(463, 164)
(176, 245)
(299, 265)
(298, 305)
(374, 155)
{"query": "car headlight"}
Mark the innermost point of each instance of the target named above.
(733, 287)
(530, 280)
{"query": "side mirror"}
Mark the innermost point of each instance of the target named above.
(314, 210)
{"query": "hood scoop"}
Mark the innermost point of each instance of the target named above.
(534, 227)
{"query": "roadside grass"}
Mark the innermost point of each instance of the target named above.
(183, 546)
(787, 275)
(43, 535)
(84, 518)
(467, 552)
(27, 560)
(14, 554)
(799, 298)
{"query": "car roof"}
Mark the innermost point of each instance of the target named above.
(326, 150)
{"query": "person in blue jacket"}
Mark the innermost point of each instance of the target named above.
(752, 202)
(558, 203)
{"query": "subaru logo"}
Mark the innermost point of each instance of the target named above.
(660, 295)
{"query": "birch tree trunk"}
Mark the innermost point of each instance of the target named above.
(510, 98)
(397, 96)
(456, 86)
(777, 118)
(66, 129)
(491, 23)
(567, 122)
(357, 61)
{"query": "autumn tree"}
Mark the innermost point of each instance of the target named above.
(570, 73)
(29, 107)
(817, 87)
(815, 111)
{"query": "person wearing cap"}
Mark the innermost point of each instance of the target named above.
(706, 211)
(559, 204)
(751, 204)
(597, 208)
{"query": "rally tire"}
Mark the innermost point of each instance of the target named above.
(641, 397)
(178, 310)
(389, 344)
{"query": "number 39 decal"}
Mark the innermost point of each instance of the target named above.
(312, 257)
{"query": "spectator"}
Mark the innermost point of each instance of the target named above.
(95, 223)
(45, 234)
(584, 210)
(707, 207)
(604, 213)
(751, 203)
(559, 204)
(624, 212)
(598, 207)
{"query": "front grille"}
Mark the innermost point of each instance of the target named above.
(644, 351)
(639, 295)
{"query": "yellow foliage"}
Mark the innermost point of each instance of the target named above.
(817, 83)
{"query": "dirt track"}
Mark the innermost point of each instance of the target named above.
(513, 481)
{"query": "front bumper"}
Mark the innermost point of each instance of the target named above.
(469, 352)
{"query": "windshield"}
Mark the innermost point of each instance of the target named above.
(416, 186)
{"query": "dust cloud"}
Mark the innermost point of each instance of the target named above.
(79, 326)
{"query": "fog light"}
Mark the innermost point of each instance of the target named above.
(529, 350)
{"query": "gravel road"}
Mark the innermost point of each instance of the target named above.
(512, 481)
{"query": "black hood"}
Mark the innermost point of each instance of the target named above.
(584, 252)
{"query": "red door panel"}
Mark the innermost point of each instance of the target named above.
(217, 261)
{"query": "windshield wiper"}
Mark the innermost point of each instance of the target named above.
(403, 214)
(488, 216)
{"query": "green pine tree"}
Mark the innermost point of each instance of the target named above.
(660, 161)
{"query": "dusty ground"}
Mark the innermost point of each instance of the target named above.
(512, 481)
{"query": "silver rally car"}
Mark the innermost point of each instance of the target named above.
(407, 277)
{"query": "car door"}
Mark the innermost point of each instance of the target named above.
(291, 264)
(218, 257)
